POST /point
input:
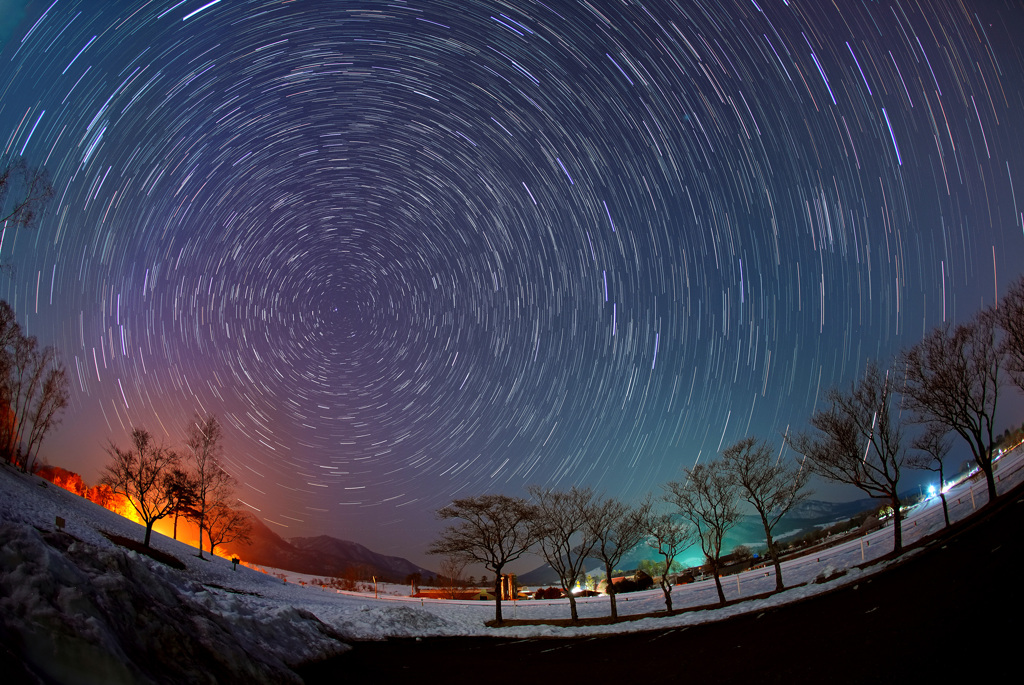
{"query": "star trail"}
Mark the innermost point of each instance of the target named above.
(412, 251)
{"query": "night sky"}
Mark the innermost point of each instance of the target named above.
(413, 251)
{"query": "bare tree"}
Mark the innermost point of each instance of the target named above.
(617, 529)
(560, 528)
(225, 525)
(140, 474)
(10, 331)
(212, 484)
(773, 487)
(669, 536)
(451, 568)
(494, 530)
(45, 412)
(24, 191)
(934, 446)
(741, 553)
(953, 379)
(32, 190)
(1010, 317)
(707, 497)
(21, 384)
(33, 392)
(182, 488)
(860, 442)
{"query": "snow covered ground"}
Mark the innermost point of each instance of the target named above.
(53, 583)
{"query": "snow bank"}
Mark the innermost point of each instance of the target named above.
(81, 610)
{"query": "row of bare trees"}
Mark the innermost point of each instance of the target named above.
(33, 382)
(946, 385)
(568, 527)
(33, 391)
(159, 482)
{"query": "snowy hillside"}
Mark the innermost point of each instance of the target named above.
(75, 607)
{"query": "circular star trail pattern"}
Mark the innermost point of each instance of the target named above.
(410, 251)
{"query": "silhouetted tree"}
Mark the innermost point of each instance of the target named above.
(654, 567)
(617, 528)
(212, 485)
(30, 188)
(934, 446)
(669, 536)
(741, 553)
(140, 473)
(33, 383)
(953, 379)
(182, 489)
(859, 441)
(226, 525)
(707, 498)
(772, 486)
(1010, 317)
(560, 528)
(451, 568)
(24, 191)
(494, 530)
(33, 392)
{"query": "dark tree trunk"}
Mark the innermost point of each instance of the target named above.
(942, 495)
(897, 526)
(773, 553)
(572, 606)
(200, 523)
(990, 481)
(718, 582)
(497, 595)
(667, 589)
(611, 591)
(149, 532)
(945, 507)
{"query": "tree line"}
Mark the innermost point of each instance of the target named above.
(159, 482)
(902, 415)
(33, 381)
(33, 391)
(566, 527)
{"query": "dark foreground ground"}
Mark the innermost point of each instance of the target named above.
(949, 614)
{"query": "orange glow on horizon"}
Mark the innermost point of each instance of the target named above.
(188, 532)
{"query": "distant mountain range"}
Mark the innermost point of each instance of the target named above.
(322, 556)
(820, 512)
